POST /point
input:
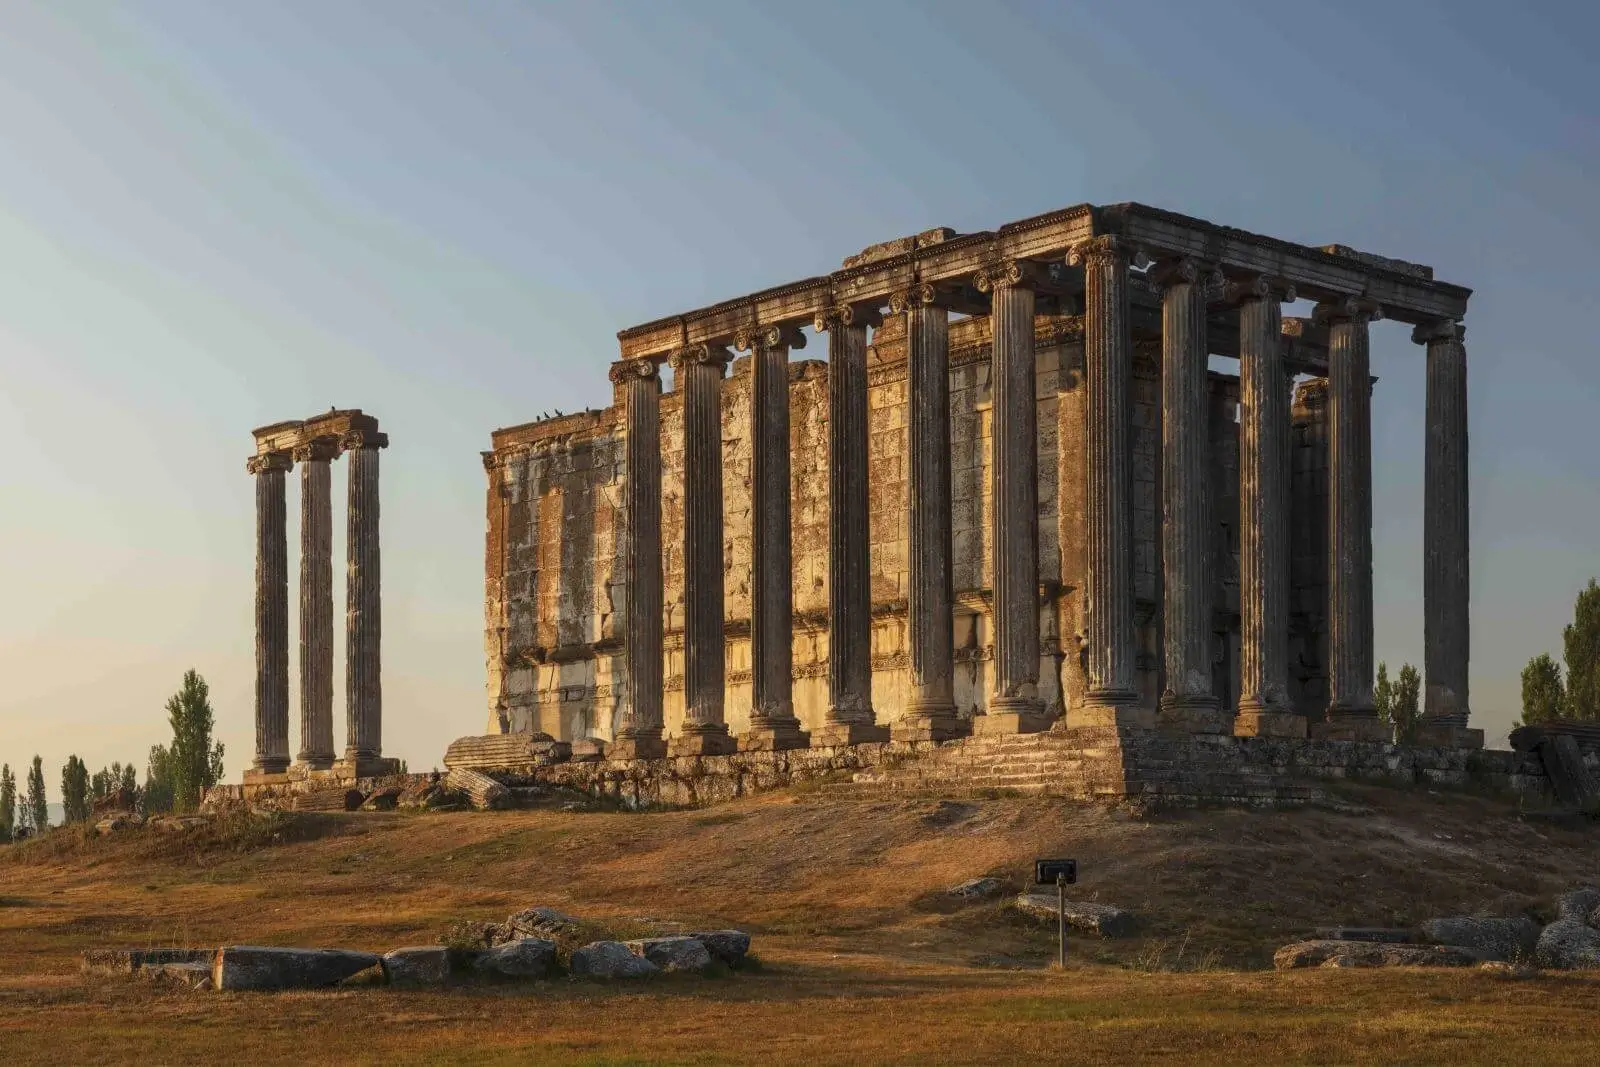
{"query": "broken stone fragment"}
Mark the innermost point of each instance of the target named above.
(540, 922)
(610, 959)
(672, 954)
(527, 957)
(123, 961)
(258, 967)
(1502, 939)
(1568, 945)
(418, 965)
(727, 946)
(186, 975)
(1372, 954)
(1502, 969)
(1106, 920)
(386, 799)
(1578, 904)
(977, 888)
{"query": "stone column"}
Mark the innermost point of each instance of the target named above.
(930, 711)
(1264, 388)
(1351, 711)
(272, 614)
(699, 370)
(773, 725)
(1014, 705)
(1189, 703)
(363, 687)
(316, 603)
(1112, 699)
(638, 733)
(1446, 634)
(850, 718)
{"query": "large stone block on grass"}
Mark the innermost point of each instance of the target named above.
(259, 967)
(526, 957)
(125, 961)
(672, 954)
(418, 965)
(1578, 904)
(1106, 920)
(727, 946)
(541, 922)
(1501, 939)
(1372, 954)
(184, 975)
(1569, 945)
(610, 959)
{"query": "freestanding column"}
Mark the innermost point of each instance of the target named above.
(638, 734)
(699, 378)
(1187, 536)
(850, 719)
(930, 711)
(316, 603)
(363, 690)
(272, 614)
(1014, 706)
(1351, 711)
(1112, 699)
(1445, 584)
(1264, 708)
(772, 720)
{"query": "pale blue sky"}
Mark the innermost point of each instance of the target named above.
(214, 216)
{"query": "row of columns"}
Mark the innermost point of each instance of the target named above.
(1112, 697)
(363, 613)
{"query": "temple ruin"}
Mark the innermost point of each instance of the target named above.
(314, 443)
(1019, 496)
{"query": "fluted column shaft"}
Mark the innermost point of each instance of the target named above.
(363, 687)
(849, 544)
(700, 371)
(1186, 531)
(272, 614)
(1350, 653)
(930, 709)
(1445, 577)
(1014, 491)
(1108, 482)
(1264, 706)
(638, 733)
(316, 603)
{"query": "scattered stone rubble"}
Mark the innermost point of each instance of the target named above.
(1504, 946)
(527, 946)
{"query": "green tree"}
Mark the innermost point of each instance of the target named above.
(75, 805)
(1383, 695)
(1543, 695)
(195, 760)
(1404, 713)
(117, 777)
(38, 806)
(158, 781)
(8, 803)
(1581, 645)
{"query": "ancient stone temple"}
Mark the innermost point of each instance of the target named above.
(313, 444)
(1081, 472)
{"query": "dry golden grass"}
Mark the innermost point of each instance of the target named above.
(864, 959)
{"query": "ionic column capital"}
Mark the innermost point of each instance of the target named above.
(1348, 309)
(1186, 270)
(369, 439)
(627, 370)
(836, 315)
(267, 462)
(716, 356)
(1441, 332)
(1011, 274)
(1107, 248)
(751, 338)
(317, 450)
(1259, 287)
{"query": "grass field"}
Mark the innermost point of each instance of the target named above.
(863, 957)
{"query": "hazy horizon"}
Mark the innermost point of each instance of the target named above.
(216, 217)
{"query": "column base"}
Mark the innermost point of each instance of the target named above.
(774, 737)
(314, 763)
(634, 748)
(1255, 723)
(1188, 715)
(713, 741)
(1011, 717)
(257, 776)
(1445, 735)
(835, 734)
(1352, 728)
(1129, 716)
(366, 767)
(927, 722)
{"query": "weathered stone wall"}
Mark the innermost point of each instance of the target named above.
(555, 572)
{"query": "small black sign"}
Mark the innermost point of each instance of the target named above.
(1048, 872)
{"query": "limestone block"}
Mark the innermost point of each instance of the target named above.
(1502, 939)
(417, 965)
(1578, 904)
(125, 961)
(610, 959)
(1567, 944)
(526, 957)
(1106, 920)
(257, 967)
(728, 946)
(541, 922)
(1372, 954)
(672, 954)
(977, 888)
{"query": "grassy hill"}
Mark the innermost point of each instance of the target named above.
(864, 956)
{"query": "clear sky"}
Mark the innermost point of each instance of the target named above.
(215, 216)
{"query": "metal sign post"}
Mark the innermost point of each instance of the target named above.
(1061, 921)
(1062, 873)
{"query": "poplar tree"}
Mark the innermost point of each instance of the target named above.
(1544, 697)
(75, 790)
(38, 807)
(8, 803)
(1581, 645)
(196, 761)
